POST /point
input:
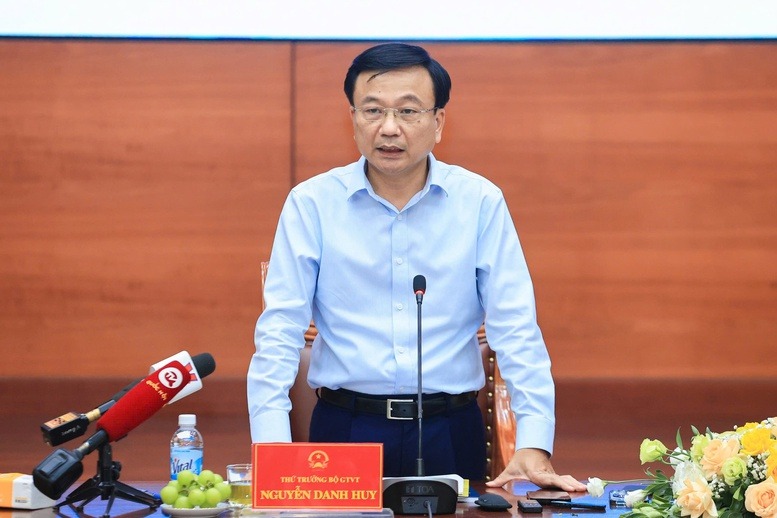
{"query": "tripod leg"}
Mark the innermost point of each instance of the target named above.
(87, 491)
(95, 486)
(132, 494)
(106, 485)
(107, 513)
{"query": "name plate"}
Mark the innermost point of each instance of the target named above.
(323, 476)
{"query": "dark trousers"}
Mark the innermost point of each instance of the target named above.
(453, 443)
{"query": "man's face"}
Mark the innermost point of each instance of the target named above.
(393, 146)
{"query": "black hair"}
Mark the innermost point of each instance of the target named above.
(391, 56)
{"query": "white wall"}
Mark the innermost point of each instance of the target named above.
(405, 19)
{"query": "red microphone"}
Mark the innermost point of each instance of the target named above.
(62, 468)
(144, 400)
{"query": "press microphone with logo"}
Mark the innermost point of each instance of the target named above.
(420, 494)
(198, 367)
(71, 425)
(62, 468)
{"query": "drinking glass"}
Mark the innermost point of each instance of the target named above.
(239, 479)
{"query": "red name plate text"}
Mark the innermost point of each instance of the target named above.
(322, 476)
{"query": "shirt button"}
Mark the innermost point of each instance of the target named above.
(401, 350)
(399, 306)
(400, 260)
(400, 217)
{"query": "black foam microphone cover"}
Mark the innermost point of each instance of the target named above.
(419, 284)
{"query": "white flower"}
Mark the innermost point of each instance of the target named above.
(634, 497)
(678, 456)
(686, 470)
(595, 486)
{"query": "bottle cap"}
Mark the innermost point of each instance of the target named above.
(187, 420)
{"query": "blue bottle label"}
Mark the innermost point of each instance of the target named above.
(185, 458)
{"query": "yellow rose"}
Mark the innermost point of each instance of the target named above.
(756, 441)
(695, 499)
(748, 426)
(651, 451)
(761, 499)
(771, 465)
(716, 453)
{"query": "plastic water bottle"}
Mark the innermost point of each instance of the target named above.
(186, 447)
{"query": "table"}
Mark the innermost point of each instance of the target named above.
(515, 491)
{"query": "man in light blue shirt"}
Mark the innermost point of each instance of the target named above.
(348, 246)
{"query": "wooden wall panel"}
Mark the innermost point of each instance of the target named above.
(140, 181)
(322, 125)
(642, 179)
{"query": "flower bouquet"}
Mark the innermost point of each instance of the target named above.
(724, 475)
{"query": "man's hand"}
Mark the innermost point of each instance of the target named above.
(534, 465)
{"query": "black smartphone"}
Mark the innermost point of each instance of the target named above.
(529, 506)
(547, 495)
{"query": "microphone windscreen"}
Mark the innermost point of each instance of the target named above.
(419, 284)
(204, 363)
(120, 394)
(144, 400)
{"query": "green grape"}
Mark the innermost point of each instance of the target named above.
(206, 478)
(224, 489)
(185, 478)
(169, 494)
(196, 496)
(212, 497)
(182, 502)
(190, 490)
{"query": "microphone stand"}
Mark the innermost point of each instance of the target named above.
(419, 469)
(106, 485)
(420, 494)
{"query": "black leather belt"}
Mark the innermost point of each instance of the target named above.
(395, 407)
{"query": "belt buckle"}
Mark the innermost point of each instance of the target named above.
(390, 402)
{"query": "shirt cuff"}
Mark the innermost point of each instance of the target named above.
(271, 426)
(535, 432)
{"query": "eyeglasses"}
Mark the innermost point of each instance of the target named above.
(376, 113)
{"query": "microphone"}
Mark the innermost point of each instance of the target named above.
(420, 494)
(419, 288)
(198, 367)
(144, 400)
(71, 425)
(62, 468)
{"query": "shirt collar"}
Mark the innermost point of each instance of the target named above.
(358, 182)
(437, 174)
